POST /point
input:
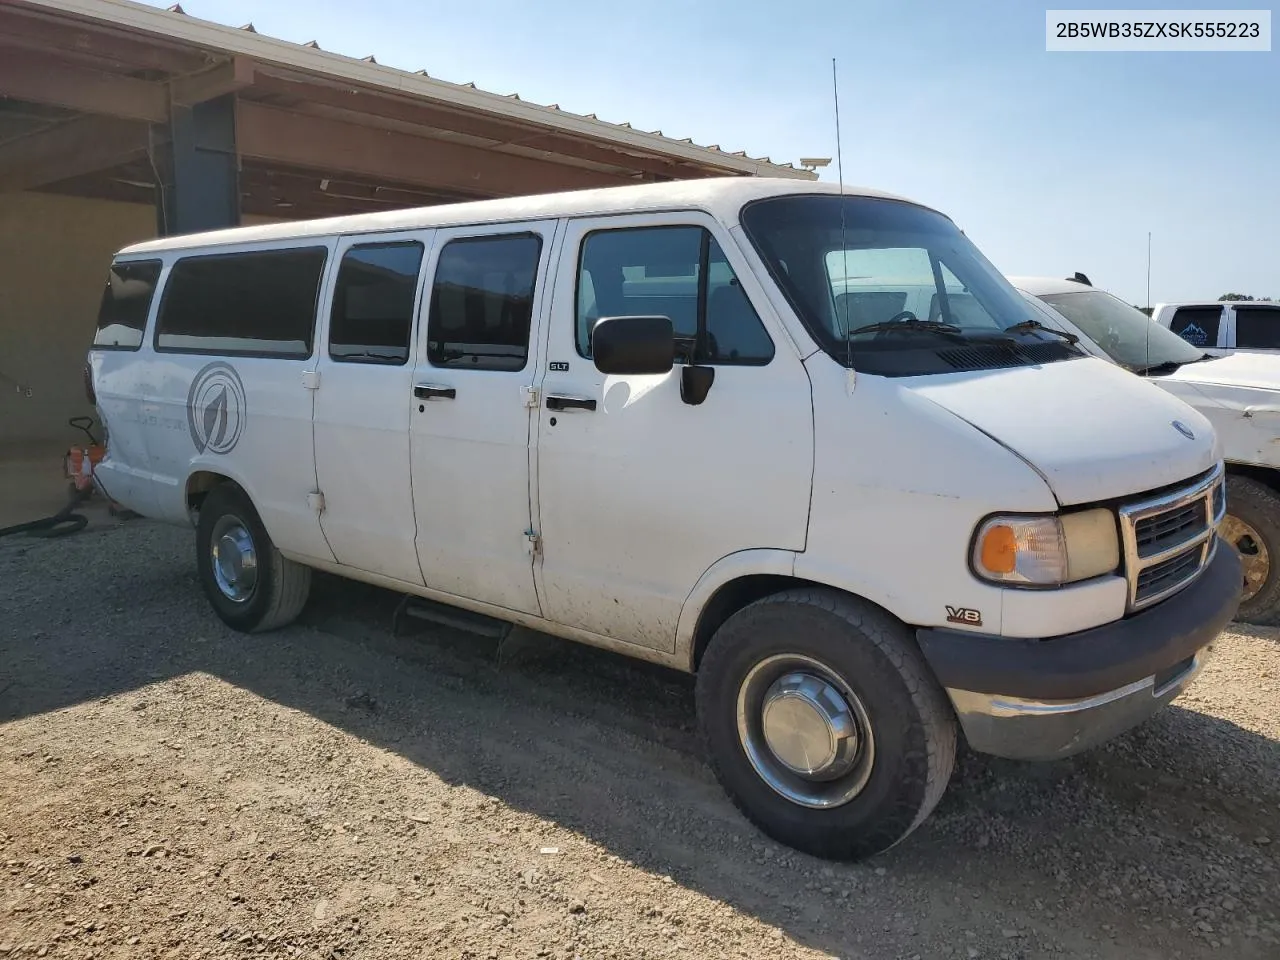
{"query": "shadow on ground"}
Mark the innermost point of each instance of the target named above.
(606, 746)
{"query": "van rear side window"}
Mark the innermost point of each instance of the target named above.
(372, 317)
(250, 304)
(126, 303)
(482, 302)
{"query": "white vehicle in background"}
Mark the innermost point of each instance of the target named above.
(1239, 394)
(637, 418)
(1223, 327)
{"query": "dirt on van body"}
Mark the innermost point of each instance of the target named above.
(169, 788)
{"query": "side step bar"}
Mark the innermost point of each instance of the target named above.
(454, 618)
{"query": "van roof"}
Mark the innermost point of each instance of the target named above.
(722, 197)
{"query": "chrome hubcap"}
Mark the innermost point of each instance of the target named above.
(809, 727)
(235, 561)
(805, 731)
(1254, 557)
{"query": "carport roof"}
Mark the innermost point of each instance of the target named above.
(174, 25)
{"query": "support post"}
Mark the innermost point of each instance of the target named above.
(199, 187)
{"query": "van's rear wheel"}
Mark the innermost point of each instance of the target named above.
(248, 583)
(1252, 526)
(824, 724)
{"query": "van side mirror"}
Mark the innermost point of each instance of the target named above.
(633, 345)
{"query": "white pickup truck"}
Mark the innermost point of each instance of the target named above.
(1238, 393)
(1222, 327)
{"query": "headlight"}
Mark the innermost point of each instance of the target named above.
(1048, 550)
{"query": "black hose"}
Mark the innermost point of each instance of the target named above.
(63, 522)
(66, 520)
(85, 426)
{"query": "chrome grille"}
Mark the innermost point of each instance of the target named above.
(1157, 533)
(1159, 579)
(1169, 539)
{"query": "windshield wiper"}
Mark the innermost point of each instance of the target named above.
(910, 326)
(1035, 326)
(1156, 369)
(1171, 366)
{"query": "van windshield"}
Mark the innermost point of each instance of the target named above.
(891, 288)
(1124, 333)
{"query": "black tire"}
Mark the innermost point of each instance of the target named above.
(282, 586)
(875, 656)
(1256, 505)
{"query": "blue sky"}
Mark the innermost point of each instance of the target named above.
(1051, 162)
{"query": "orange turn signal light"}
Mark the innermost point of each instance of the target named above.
(999, 550)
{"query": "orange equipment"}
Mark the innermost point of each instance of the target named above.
(81, 460)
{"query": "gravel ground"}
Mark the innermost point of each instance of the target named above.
(169, 788)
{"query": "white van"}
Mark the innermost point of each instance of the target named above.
(636, 419)
(1238, 393)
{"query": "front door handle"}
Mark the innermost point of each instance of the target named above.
(557, 402)
(430, 391)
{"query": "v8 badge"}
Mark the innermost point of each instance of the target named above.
(964, 615)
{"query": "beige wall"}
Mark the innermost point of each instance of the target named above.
(54, 254)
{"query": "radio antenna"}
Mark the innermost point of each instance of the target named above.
(1147, 359)
(844, 246)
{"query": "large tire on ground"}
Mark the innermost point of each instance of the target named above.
(249, 584)
(824, 724)
(1252, 526)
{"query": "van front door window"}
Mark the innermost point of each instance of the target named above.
(678, 272)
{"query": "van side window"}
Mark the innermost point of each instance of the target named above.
(482, 302)
(1257, 327)
(676, 272)
(1197, 325)
(253, 304)
(126, 302)
(372, 316)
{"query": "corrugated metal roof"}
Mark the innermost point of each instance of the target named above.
(175, 23)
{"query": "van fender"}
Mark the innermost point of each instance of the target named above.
(222, 467)
(804, 569)
(744, 563)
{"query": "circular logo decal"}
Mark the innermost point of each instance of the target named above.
(1183, 429)
(216, 408)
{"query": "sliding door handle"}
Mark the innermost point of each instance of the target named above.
(431, 391)
(557, 402)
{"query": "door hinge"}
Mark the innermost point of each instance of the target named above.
(530, 395)
(533, 543)
(315, 500)
(311, 379)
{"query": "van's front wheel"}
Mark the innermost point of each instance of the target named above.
(824, 724)
(249, 584)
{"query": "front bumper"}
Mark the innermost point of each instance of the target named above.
(1044, 699)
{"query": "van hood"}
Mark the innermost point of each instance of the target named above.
(1092, 430)
(1260, 371)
